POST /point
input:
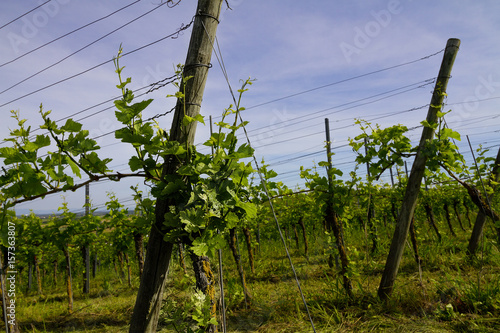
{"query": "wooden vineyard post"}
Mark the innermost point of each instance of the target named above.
(370, 215)
(138, 243)
(150, 295)
(413, 233)
(331, 218)
(86, 248)
(416, 174)
(477, 231)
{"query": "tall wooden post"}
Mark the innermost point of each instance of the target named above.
(416, 174)
(85, 248)
(95, 259)
(370, 215)
(150, 295)
(331, 217)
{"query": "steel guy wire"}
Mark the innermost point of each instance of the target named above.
(477, 120)
(344, 80)
(17, 18)
(296, 158)
(268, 161)
(82, 48)
(295, 138)
(154, 86)
(308, 155)
(172, 36)
(475, 100)
(103, 205)
(93, 184)
(492, 146)
(352, 125)
(386, 115)
(151, 118)
(483, 132)
(412, 109)
(67, 34)
(218, 54)
(420, 84)
(113, 131)
(345, 109)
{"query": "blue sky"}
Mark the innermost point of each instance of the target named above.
(291, 49)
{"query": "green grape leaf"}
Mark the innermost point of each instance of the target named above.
(71, 126)
(74, 167)
(199, 247)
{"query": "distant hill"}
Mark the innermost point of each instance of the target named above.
(47, 215)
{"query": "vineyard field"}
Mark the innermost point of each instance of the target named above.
(450, 293)
(250, 213)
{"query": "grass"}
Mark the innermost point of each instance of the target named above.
(451, 294)
(100, 311)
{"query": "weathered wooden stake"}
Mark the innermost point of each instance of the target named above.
(370, 214)
(85, 248)
(413, 233)
(332, 220)
(149, 298)
(416, 174)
